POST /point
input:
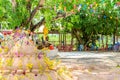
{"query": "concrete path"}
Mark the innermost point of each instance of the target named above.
(92, 65)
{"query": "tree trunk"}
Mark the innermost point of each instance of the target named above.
(60, 38)
(71, 39)
(106, 42)
(32, 14)
(65, 39)
(28, 21)
(77, 36)
(102, 37)
(116, 38)
(13, 4)
(87, 42)
(32, 28)
(115, 31)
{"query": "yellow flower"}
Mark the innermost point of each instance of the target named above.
(4, 78)
(0, 62)
(22, 77)
(40, 68)
(3, 43)
(15, 77)
(1, 77)
(0, 50)
(9, 62)
(48, 75)
(49, 63)
(45, 49)
(60, 71)
(29, 65)
(6, 50)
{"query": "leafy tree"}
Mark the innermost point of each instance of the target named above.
(85, 18)
(94, 18)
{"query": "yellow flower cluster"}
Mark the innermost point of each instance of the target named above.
(40, 68)
(1, 63)
(0, 50)
(9, 62)
(48, 76)
(30, 66)
(63, 72)
(5, 50)
(45, 49)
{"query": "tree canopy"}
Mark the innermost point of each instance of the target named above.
(86, 16)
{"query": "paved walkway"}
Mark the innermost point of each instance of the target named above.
(92, 65)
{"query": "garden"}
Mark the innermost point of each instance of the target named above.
(33, 33)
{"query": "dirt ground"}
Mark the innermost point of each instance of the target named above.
(92, 65)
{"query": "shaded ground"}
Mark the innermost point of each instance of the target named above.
(92, 65)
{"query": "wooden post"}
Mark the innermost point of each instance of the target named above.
(71, 38)
(60, 41)
(116, 38)
(99, 41)
(106, 42)
(59, 38)
(102, 42)
(65, 40)
(115, 31)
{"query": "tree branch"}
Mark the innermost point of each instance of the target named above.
(13, 3)
(28, 6)
(32, 28)
(32, 14)
(63, 16)
(77, 36)
(56, 18)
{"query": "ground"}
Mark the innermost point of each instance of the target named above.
(92, 65)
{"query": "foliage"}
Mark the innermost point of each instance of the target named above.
(94, 18)
(13, 17)
(89, 17)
